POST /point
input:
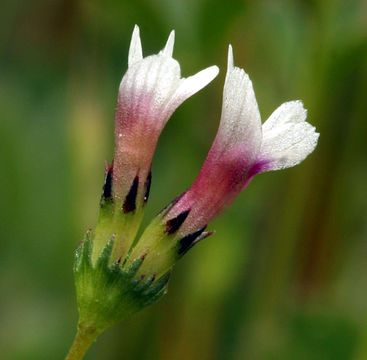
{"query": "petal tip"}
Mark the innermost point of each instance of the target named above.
(168, 49)
(136, 29)
(230, 65)
(135, 50)
(213, 70)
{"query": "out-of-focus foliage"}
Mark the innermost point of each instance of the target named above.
(285, 276)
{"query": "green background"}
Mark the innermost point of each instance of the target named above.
(285, 275)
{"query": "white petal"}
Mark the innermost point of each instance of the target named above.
(194, 83)
(287, 137)
(190, 86)
(289, 112)
(152, 87)
(147, 86)
(168, 49)
(135, 51)
(240, 120)
(230, 65)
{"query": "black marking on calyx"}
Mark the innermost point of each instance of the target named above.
(107, 187)
(168, 207)
(188, 241)
(148, 181)
(174, 224)
(130, 200)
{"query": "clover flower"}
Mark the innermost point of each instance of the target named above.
(242, 148)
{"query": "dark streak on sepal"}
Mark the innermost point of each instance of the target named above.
(187, 242)
(107, 187)
(168, 207)
(147, 184)
(130, 200)
(174, 224)
(107, 196)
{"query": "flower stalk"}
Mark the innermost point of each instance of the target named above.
(84, 338)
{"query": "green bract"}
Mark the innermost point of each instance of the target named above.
(109, 292)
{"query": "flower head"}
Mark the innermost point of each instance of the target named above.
(242, 148)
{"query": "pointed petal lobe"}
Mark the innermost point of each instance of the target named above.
(135, 50)
(230, 65)
(168, 49)
(240, 121)
(190, 86)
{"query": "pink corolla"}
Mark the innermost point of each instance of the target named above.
(243, 147)
(150, 91)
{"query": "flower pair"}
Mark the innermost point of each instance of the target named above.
(124, 274)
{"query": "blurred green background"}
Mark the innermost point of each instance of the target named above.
(285, 275)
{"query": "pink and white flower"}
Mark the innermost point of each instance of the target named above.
(243, 148)
(149, 93)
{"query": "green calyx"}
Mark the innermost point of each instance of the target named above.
(119, 217)
(110, 292)
(161, 243)
(116, 277)
(112, 222)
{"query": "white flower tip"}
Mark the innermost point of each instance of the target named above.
(168, 49)
(230, 65)
(196, 82)
(287, 137)
(240, 121)
(135, 51)
(189, 86)
(211, 72)
(201, 79)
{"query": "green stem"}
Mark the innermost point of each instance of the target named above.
(83, 340)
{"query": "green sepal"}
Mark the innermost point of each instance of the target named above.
(159, 285)
(110, 292)
(133, 268)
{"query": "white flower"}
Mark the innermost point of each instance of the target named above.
(152, 87)
(284, 140)
(287, 137)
